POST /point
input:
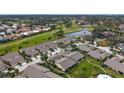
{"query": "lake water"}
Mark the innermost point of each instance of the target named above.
(83, 32)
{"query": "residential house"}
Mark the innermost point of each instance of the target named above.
(67, 59)
(13, 58)
(31, 51)
(115, 64)
(2, 65)
(36, 71)
(65, 63)
(42, 48)
(99, 54)
(85, 47)
(56, 57)
(64, 41)
(76, 56)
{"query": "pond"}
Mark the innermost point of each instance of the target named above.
(83, 32)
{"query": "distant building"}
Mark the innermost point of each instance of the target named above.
(2, 33)
(121, 28)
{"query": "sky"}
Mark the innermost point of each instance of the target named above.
(61, 6)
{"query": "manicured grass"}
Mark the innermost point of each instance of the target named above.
(26, 42)
(108, 71)
(90, 28)
(94, 61)
(112, 73)
(33, 40)
(84, 69)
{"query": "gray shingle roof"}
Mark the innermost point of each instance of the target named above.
(65, 41)
(42, 48)
(115, 64)
(30, 51)
(65, 63)
(13, 58)
(76, 56)
(98, 54)
(52, 75)
(85, 47)
(50, 45)
(56, 57)
(36, 71)
(2, 65)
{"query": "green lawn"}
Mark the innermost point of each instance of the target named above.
(112, 73)
(108, 71)
(33, 40)
(84, 69)
(90, 28)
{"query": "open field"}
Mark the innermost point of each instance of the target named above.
(33, 40)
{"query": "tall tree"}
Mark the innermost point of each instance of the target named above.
(60, 33)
